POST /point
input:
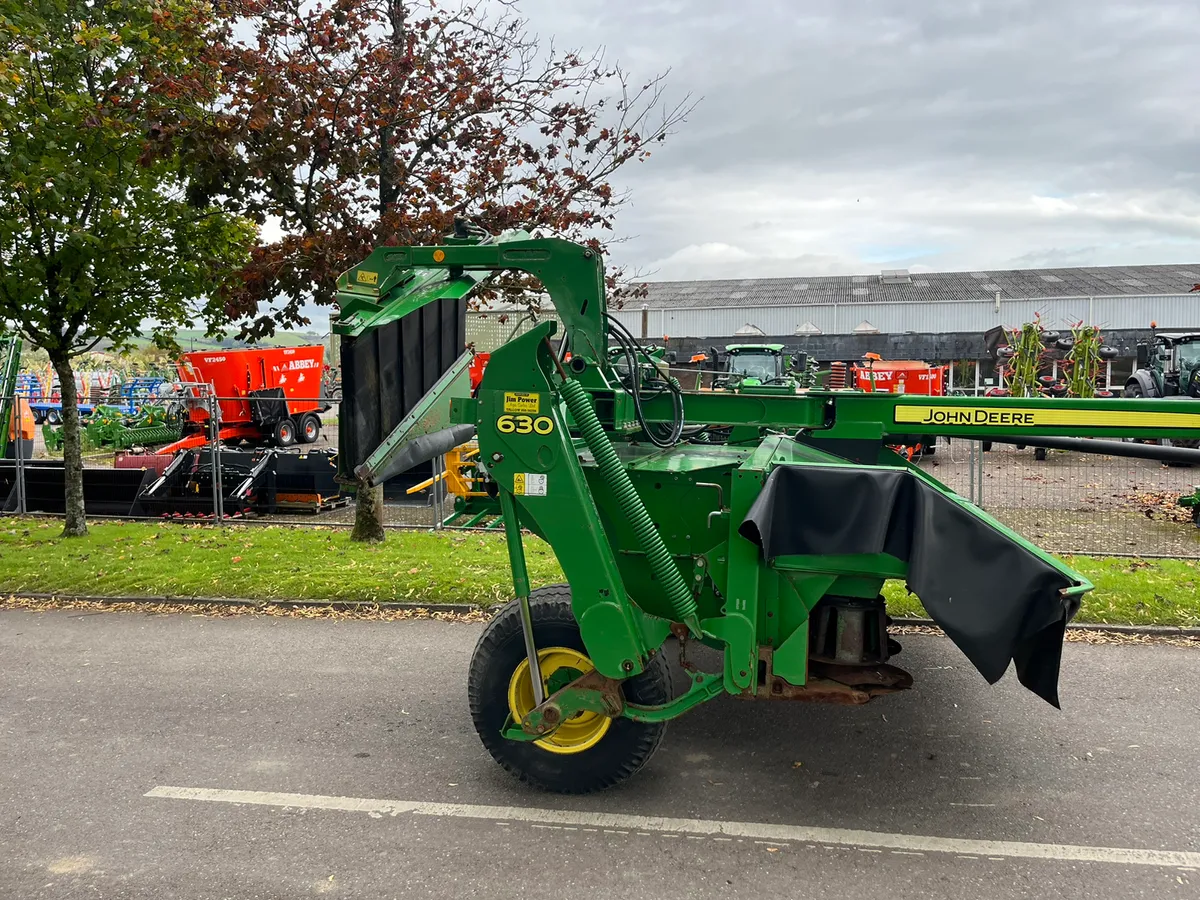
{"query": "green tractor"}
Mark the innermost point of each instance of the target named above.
(757, 366)
(1167, 367)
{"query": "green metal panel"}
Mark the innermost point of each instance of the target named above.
(545, 461)
(10, 365)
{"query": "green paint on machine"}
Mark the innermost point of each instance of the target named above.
(670, 514)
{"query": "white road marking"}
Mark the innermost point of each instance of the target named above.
(611, 823)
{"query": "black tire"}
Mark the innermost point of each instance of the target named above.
(1065, 344)
(987, 446)
(310, 428)
(1133, 390)
(619, 754)
(1039, 453)
(285, 433)
(39, 418)
(54, 416)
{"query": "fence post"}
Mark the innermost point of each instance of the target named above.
(979, 479)
(438, 486)
(19, 456)
(214, 457)
(971, 470)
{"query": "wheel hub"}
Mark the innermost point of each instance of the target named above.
(560, 666)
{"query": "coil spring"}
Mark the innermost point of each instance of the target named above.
(837, 376)
(679, 595)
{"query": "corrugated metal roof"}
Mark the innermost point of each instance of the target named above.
(927, 286)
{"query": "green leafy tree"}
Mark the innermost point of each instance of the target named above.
(98, 239)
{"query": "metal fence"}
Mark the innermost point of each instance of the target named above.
(1066, 502)
(1071, 502)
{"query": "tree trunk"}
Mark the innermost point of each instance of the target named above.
(368, 505)
(368, 514)
(76, 518)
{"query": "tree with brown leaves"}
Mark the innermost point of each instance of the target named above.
(358, 123)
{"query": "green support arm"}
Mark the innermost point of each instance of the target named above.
(395, 281)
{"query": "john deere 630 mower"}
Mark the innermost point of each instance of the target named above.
(771, 547)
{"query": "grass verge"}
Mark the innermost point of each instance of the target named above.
(278, 563)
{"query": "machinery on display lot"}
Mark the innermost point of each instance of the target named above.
(16, 420)
(903, 376)
(116, 427)
(771, 547)
(262, 396)
(754, 365)
(1166, 367)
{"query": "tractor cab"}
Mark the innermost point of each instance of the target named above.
(755, 366)
(1167, 367)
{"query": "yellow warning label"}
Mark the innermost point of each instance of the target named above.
(529, 484)
(518, 402)
(365, 277)
(1047, 416)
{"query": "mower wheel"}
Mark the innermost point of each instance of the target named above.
(285, 433)
(310, 428)
(1039, 453)
(987, 446)
(588, 752)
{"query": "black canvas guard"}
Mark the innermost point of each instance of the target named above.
(995, 599)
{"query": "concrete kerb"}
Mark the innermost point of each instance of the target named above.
(467, 608)
(105, 600)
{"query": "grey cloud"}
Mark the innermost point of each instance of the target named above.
(940, 128)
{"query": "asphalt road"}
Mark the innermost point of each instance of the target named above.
(367, 722)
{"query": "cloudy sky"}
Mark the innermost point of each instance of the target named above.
(846, 136)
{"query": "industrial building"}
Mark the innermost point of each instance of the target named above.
(940, 317)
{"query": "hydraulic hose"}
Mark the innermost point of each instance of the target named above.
(679, 596)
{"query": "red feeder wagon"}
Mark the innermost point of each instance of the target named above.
(903, 376)
(265, 396)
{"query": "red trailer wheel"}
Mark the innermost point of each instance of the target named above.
(310, 429)
(285, 433)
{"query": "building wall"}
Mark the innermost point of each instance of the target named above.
(1170, 311)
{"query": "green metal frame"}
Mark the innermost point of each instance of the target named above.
(560, 440)
(10, 366)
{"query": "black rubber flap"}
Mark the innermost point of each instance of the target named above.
(386, 372)
(994, 598)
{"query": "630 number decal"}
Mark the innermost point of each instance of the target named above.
(524, 425)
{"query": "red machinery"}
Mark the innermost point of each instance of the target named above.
(265, 395)
(478, 363)
(903, 376)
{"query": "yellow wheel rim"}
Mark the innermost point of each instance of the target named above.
(578, 733)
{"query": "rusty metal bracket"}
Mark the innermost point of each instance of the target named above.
(827, 682)
(591, 692)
